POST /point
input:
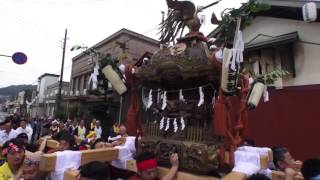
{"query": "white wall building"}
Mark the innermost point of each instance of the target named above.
(44, 81)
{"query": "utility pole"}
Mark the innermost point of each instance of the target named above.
(61, 73)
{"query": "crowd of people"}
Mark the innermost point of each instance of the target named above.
(20, 137)
(22, 149)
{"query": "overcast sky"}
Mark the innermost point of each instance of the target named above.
(36, 27)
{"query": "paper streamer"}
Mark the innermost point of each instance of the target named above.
(175, 125)
(182, 123)
(168, 124)
(164, 101)
(149, 99)
(201, 100)
(161, 123)
(181, 97)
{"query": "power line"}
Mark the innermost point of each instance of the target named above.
(26, 23)
(59, 3)
(16, 15)
(7, 13)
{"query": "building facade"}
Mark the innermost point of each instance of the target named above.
(280, 39)
(38, 105)
(51, 96)
(126, 45)
(82, 65)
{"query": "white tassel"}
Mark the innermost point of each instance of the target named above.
(149, 99)
(175, 125)
(94, 77)
(237, 51)
(183, 125)
(168, 124)
(164, 101)
(201, 101)
(181, 97)
(161, 123)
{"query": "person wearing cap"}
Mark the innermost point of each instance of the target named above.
(14, 152)
(6, 133)
(147, 167)
(25, 129)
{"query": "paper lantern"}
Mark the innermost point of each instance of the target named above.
(309, 12)
(255, 94)
(114, 79)
(228, 76)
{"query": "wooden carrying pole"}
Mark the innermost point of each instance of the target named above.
(48, 161)
(72, 174)
(53, 144)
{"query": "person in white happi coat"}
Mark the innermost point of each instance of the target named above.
(6, 131)
(98, 129)
(25, 129)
